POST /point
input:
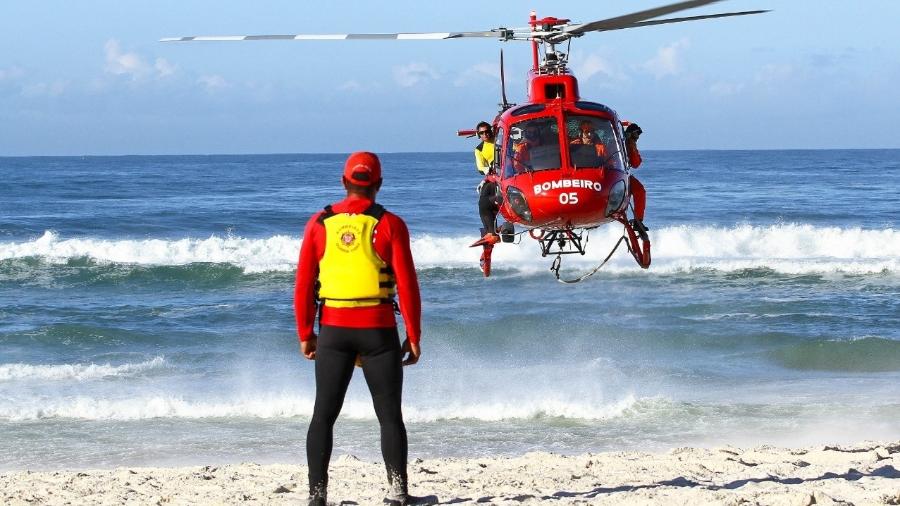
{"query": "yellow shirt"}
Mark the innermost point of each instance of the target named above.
(484, 156)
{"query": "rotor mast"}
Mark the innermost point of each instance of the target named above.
(549, 31)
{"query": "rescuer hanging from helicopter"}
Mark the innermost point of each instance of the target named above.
(638, 193)
(487, 190)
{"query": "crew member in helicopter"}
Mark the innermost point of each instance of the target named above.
(586, 136)
(585, 156)
(531, 138)
(639, 194)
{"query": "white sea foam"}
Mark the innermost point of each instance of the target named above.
(784, 248)
(78, 372)
(511, 410)
(289, 406)
(277, 253)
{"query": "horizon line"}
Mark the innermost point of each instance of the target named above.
(287, 153)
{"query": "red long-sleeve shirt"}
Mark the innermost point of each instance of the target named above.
(391, 242)
(634, 156)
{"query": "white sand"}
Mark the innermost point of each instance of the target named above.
(867, 473)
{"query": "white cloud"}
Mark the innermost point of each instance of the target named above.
(667, 61)
(479, 73)
(261, 92)
(488, 69)
(725, 89)
(51, 89)
(11, 73)
(596, 64)
(164, 68)
(774, 73)
(120, 63)
(98, 85)
(414, 73)
(213, 82)
(133, 65)
(350, 86)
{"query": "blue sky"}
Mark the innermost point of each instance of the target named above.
(90, 77)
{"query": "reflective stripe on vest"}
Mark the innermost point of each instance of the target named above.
(351, 274)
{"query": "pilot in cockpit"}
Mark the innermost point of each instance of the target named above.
(587, 149)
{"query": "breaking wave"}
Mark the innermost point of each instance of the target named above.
(290, 406)
(78, 372)
(786, 248)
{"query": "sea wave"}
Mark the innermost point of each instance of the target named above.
(78, 372)
(783, 248)
(277, 253)
(291, 406)
(867, 354)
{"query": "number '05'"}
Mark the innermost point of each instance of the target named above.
(568, 198)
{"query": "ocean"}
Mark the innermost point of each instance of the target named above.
(146, 311)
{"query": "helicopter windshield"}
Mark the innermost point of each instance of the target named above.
(533, 145)
(592, 142)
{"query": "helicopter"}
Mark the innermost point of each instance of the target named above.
(554, 187)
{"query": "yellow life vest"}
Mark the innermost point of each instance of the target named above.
(484, 156)
(351, 274)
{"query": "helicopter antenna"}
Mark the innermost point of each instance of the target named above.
(505, 104)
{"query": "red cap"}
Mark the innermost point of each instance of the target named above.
(362, 168)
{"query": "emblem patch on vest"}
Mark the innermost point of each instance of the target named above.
(349, 239)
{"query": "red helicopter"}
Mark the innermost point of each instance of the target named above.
(556, 189)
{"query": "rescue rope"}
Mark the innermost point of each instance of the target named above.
(558, 261)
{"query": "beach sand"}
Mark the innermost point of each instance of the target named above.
(866, 473)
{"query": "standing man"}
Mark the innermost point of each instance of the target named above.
(354, 258)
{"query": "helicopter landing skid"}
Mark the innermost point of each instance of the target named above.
(561, 242)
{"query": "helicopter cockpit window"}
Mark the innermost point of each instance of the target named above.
(533, 145)
(592, 143)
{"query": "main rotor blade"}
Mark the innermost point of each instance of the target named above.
(691, 18)
(635, 17)
(342, 36)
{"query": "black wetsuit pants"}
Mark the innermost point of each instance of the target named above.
(487, 207)
(336, 352)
